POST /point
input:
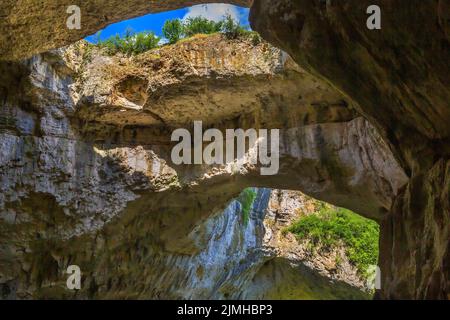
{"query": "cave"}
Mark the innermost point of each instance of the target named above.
(363, 117)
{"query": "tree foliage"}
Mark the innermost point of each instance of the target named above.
(173, 30)
(200, 25)
(131, 43)
(231, 28)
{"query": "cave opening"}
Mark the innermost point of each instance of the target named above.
(197, 19)
(345, 140)
(317, 250)
(256, 84)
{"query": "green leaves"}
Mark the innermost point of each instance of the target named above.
(231, 28)
(331, 225)
(247, 198)
(173, 30)
(131, 43)
(199, 25)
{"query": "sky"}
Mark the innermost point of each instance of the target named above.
(154, 22)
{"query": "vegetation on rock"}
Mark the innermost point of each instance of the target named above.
(246, 199)
(200, 25)
(131, 43)
(173, 30)
(331, 226)
(232, 29)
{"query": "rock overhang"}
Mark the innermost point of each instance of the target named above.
(31, 27)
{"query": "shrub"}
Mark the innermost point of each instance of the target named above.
(200, 25)
(256, 38)
(231, 28)
(331, 225)
(246, 198)
(144, 41)
(131, 43)
(173, 30)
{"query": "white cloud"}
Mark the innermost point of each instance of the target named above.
(214, 12)
(163, 41)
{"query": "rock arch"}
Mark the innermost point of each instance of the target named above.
(400, 85)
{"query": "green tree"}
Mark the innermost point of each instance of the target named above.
(231, 28)
(200, 25)
(173, 30)
(143, 42)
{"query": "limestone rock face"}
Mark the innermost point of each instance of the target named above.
(104, 194)
(293, 270)
(286, 207)
(209, 79)
(32, 27)
(338, 156)
(399, 78)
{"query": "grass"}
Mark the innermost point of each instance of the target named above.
(246, 199)
(331, 226)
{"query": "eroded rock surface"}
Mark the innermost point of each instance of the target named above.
(286, 207)
(399, 79)
(294, 271)
(104, 194)
(207, 78)
(32, 27)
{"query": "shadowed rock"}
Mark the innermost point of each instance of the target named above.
(31, 27)
(72, 180)
(399, 78)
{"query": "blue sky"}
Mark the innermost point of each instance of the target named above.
(155, 22)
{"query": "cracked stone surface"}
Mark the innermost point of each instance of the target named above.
(397, 79)
(104, 194)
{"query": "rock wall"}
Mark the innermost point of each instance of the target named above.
(294, 271)
(399, 79)
(286, 207)
(101, 192)
(34, 27)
